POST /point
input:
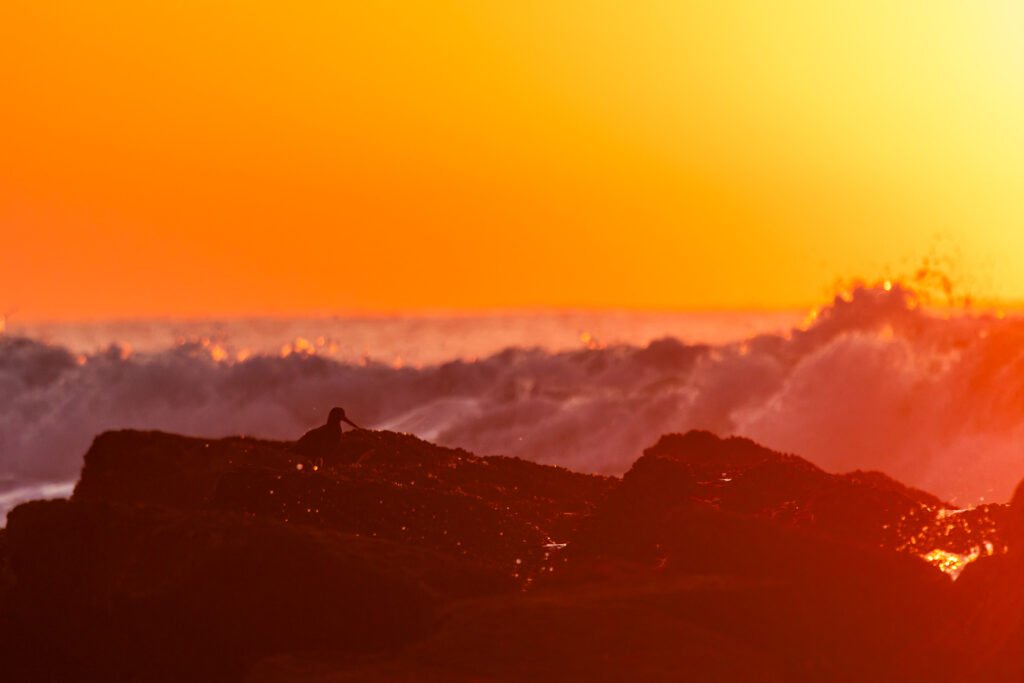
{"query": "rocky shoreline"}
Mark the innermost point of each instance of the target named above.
(394, 559)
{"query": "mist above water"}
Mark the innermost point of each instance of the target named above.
(416, 340)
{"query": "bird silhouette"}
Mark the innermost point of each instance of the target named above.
(324, 440)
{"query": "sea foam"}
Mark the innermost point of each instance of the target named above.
(873, 381)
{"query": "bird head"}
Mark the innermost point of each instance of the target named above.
(337, 416)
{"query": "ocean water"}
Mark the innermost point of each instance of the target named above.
(872, 380)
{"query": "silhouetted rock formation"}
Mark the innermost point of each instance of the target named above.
(714, 560)
(991, 608)
(736, 476)
(491, 511)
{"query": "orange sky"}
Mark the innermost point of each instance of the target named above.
(267, 157)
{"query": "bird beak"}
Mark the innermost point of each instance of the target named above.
(351, 423)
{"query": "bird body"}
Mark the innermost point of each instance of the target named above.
(325, 439)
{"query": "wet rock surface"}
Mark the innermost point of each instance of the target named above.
(394, 559)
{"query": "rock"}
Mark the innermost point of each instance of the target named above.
(711, 559)
(491, 511)
(201, 557)
(1015, 522)
(115, 591)
(812, 547)
(698, 470)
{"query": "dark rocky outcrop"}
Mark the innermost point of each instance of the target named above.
(130, 590)
(698, 471)
(491, 511)
(395, 559)
(991, 607)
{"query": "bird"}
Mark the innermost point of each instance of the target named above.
(324, 440)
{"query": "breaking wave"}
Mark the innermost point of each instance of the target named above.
(873, 381)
